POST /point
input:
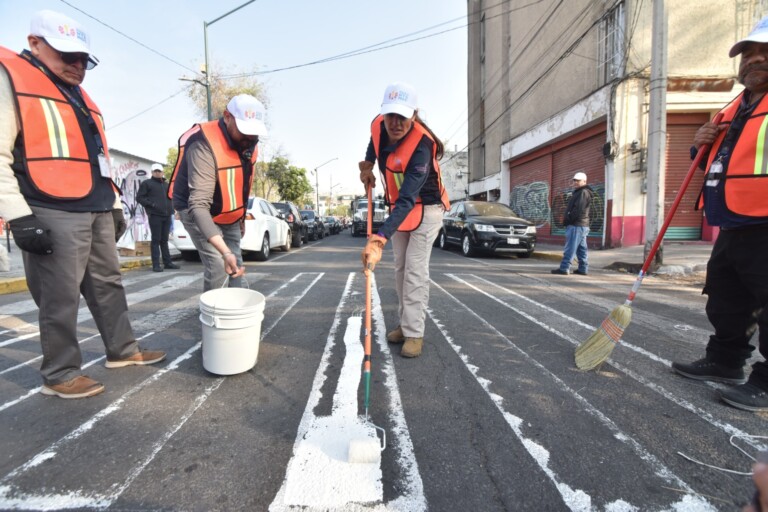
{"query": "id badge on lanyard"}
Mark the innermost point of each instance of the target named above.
(104, 168)
(715, 172)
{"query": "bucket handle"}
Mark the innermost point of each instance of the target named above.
(213, 322)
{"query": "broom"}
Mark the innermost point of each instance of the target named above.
(367, 450)
(598, 347)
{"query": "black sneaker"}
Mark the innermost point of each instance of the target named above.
(580, 272)
(157, 269)
(172, 266)
(704, 369)
(558, 271)
(747, 396)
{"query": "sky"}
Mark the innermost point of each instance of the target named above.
(315, 113)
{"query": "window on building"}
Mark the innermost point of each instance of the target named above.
(610, 45)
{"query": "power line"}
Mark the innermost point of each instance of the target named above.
(128, 37)
(183, 89)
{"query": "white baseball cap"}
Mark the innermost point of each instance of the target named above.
(580, 176)
(759, 34)
(399, 98)
(249, 114)
(157, 167)
(62, 33)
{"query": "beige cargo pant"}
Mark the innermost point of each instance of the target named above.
(412, 251)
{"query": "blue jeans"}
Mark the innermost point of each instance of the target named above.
(575, 244)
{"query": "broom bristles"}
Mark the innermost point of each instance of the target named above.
(598, 347)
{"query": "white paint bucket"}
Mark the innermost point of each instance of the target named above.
(231, 319)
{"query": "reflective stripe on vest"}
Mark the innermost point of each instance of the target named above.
(231, 191)
(745, 180)
(396, 165)
(55, 156)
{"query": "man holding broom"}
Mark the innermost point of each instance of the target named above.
(735, 198)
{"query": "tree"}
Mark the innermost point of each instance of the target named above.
(224, 89)
(292, 183)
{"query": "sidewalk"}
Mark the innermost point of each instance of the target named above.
(680, 258)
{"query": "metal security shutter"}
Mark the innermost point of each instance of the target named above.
(529, 191)
(586, 156)
(687, 222)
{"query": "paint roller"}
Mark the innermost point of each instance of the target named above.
(368, 450)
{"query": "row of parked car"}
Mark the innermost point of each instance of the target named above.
(268, 226)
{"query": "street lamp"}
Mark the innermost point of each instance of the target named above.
(207, 68)
(317, 184)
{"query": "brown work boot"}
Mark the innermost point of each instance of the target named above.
(141, 358)
(396, 336)
(79, 387)
(412, 347)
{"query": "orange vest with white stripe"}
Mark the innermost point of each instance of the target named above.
(233, 182)
(396, 165)
(745, 180)
(55, 156)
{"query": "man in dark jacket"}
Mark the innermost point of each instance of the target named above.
(576, 221)
(153, 196)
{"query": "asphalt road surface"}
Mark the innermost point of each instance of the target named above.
(493, 416)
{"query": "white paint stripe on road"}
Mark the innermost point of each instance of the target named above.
(34, 391)
(576, 500)
(323, 430)
(701, 413)
(84, 314)
(10, 498)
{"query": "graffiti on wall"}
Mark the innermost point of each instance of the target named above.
(129, 177)
(531, 201)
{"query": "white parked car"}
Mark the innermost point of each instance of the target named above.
(265, 230)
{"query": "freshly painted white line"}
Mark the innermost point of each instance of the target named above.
(318, 474)
(701, 413)
(575, 499)
(37, 358)
(325, 438)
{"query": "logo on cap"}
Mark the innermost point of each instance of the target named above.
(398, 95)
(252, 114)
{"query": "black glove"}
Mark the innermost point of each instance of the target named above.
(119, 220)
(31, 235)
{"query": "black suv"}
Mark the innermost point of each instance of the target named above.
(316, 222)
(293, 218)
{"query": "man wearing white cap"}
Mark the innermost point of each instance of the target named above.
(153, 196)
(735, 198)
(211, 183)
(56, 190)
(576, 222)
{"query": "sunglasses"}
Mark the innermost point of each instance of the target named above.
(71, 58)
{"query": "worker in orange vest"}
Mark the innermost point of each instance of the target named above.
(407, 153)
(64, 210)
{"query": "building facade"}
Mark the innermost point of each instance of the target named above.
(559, 87)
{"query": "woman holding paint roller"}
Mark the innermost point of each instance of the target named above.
(407, 152)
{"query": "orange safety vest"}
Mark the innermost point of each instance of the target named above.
(55, 156)
(397, 163)
(230, 198)
(745, 180)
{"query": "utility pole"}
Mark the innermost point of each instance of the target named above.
(657, 132)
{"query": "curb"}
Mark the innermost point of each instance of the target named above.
(19, 284)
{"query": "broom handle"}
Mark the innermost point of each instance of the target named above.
(367, 346)
(703, 149)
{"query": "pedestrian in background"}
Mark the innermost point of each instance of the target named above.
(211, 183)
(63, 208)
(407, 152)
(734, 198)
(153, 196)
(576, 222)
